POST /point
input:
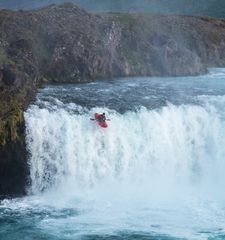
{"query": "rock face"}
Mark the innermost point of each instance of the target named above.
(66, 44)
(14, 170)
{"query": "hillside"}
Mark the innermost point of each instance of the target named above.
(211, 8)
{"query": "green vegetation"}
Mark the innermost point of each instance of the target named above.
(11, 118)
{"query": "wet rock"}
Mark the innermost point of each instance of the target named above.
(14, 170)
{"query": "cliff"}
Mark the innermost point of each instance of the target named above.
(66, 44)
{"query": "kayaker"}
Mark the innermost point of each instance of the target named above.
(102, 117)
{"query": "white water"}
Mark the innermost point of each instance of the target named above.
(157, 151)
(175, 146)
(152, 171)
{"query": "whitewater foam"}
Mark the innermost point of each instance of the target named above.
(167, 147)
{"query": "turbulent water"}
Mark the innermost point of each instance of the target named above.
(157, 171)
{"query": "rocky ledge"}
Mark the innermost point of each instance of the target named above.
(66, 44)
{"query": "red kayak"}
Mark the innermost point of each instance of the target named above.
(100, 123)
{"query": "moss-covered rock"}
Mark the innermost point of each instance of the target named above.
(13, 157)
(11, 112)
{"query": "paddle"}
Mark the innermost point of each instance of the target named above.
(92, 119)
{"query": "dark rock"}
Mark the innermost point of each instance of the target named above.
(8, 77)
(14, 170)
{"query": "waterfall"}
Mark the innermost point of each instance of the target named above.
(161, 148)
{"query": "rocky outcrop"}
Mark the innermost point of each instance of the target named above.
(66, 44)
(16, 92)
(14, 171)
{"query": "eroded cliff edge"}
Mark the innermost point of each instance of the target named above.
(66, 44)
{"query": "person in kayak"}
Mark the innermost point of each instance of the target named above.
(102, 117)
